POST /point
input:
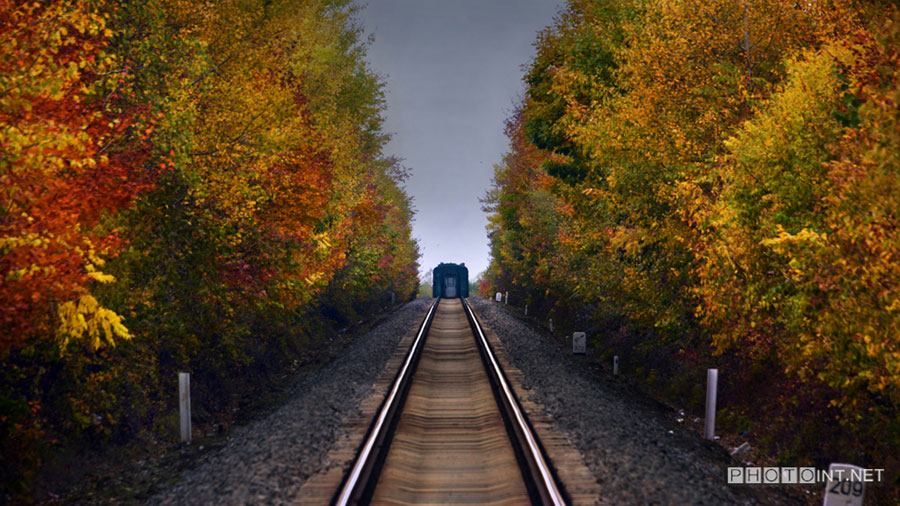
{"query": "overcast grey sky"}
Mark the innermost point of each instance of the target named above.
(453, 74)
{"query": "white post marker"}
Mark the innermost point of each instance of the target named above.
(526, 309)
(392, 298)
(846, 485)
(499, 296)
(551, 325)
(184, 405)
(712, 377)
(615, 365)
(507, 298)
(579, 343)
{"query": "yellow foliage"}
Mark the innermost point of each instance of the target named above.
(805, 235)
(85, 316)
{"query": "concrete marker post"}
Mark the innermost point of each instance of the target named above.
(712, 378)
(393, 298)
(579, 343)
(184, 405)
(615, 365)
(526, 309)
(551, 325)
(507, 298)
(845, 485)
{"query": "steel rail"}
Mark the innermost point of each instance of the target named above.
(547, 489)
(357, 481)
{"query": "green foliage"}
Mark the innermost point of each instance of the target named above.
(236, 191)
(715, 182)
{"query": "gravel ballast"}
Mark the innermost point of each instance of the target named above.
(267, 461)
(634, 447)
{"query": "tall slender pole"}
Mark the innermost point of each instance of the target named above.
(184, 405)
(712, 377)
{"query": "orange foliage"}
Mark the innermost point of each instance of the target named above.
(726, 177)
(61, 170)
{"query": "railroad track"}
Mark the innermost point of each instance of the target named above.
(450, 429)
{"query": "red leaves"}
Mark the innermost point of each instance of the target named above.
(61, 176)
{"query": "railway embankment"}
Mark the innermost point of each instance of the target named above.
(633, 445)
(268, 460)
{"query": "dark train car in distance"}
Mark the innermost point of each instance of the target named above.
(450, 281)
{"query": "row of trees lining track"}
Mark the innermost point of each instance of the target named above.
(717, 182)
(183, 186)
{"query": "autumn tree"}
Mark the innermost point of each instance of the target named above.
(713, 167)
(63, 170)
(202, 178)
